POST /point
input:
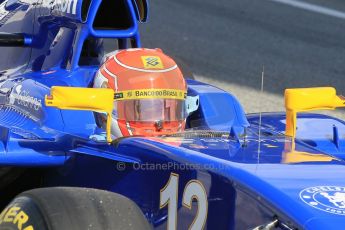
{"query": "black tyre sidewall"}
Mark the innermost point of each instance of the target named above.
(22, 213)
(72, 208)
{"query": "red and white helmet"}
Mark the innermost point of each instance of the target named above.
(150, 92)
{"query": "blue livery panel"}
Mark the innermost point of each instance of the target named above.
(216, 173)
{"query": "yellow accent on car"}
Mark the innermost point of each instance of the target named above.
(308, 99)
(150, 93)
(298, 157)
(91, 99)
(291, 156)
(15, 215)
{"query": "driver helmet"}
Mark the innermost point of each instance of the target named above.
(150, 92)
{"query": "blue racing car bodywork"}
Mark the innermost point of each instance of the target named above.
(228, 170)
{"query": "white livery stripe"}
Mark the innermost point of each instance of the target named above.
(313, 8)
(144, 70)
(129, 128)
(112, 75)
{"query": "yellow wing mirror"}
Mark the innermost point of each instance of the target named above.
(91, 99)
(308, 99)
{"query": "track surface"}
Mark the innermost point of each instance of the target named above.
(227, 43)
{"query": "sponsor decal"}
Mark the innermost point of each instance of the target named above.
(16, 216)
(63, 6)
(152, 62)
(196, 146)
(7, 14)
(150, 93)
(118, 96)
(329, 199)
(23, 98)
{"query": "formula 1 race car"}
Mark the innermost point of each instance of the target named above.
(59, 169)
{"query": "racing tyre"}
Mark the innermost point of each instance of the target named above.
(71, 208)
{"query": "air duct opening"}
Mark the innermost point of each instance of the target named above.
(113, 15)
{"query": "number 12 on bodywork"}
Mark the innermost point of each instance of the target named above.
(194, 190)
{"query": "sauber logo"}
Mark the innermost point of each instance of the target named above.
(326, 198)
(23, 98)
(64, 6)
